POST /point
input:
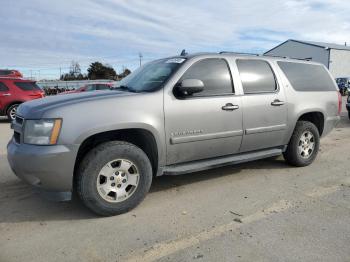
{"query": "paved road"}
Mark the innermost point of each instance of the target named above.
(259, 211)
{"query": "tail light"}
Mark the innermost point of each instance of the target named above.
(339, 103)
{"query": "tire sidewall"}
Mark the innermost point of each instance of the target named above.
(302, 127)
(96, 160)
(9, 110)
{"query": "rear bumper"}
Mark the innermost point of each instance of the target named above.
(48, 168)
(330, 123)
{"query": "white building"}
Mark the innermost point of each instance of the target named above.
(335, 57)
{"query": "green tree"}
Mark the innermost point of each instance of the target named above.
(98, 70)
(125, 73)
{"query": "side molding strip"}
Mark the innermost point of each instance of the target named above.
(265, 129)
(193, 138)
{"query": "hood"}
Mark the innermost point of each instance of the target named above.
(35, 108)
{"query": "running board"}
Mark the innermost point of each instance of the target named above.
(199, 165)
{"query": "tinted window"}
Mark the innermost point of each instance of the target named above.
(214, 74)
(3, 87)
(256, 76)
(91, 87)
(307, 77)
(101, 87)
(5, 72)
(27, 86)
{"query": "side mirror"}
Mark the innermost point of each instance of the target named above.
(191, 86)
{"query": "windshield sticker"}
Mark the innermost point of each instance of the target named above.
(176, 60)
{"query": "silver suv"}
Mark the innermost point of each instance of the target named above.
(172, 116)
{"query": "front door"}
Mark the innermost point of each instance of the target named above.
(206, 124)
(264, 106)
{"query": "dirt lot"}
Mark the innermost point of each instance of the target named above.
(259, 211)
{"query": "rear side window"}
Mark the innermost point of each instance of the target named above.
(307, 77)
(27, 86)
(5, 72)
(215, 75)
(101, 87)
(3, 87)
(256, 76)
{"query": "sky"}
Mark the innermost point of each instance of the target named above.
(39, 37)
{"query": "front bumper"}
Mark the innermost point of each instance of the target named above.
(49, 168)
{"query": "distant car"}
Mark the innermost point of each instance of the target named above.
(14, 91)
(91, 87)
(343, 85)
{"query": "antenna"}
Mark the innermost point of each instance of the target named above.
(183, 52)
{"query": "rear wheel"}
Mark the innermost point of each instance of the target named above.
(349, 114)
(114, 177)
(11, 112)
(304, 144)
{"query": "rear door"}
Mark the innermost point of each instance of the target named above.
(5, 96)
(206, 124)
(264, 106)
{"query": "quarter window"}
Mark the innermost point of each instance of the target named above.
(256, 76)
(27, 86)
(3, 87)
(215, 75)
(307, 77)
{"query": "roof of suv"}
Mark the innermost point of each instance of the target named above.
(245, 55)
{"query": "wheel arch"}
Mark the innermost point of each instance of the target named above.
(11, 104)
(140, 137)
(315, 117)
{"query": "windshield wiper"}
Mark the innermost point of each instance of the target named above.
(128, 88)
(125, 87)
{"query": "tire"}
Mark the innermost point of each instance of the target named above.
(298, 152)
(11, 111)
(349, 114)
(107, 161)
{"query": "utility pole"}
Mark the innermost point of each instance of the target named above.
(59, 78)
(140, 57)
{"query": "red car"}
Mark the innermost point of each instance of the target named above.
(15, 90)
(91, 87)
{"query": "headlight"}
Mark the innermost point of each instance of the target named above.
(42, 132)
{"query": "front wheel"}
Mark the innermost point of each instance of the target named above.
(303, 145)
(114, 177)
(11, 112)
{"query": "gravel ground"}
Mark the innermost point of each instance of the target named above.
(259, 211)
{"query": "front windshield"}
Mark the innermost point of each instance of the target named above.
(152, 76)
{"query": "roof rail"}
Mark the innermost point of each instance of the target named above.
(287, 57)
(238, 53)
(253, 54)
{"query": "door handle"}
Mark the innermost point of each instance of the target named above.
(229, 107)
(7, 94)
(277, 102)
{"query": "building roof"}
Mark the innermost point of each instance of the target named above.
(313, 43)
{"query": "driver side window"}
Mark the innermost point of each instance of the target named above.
(215, 75)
